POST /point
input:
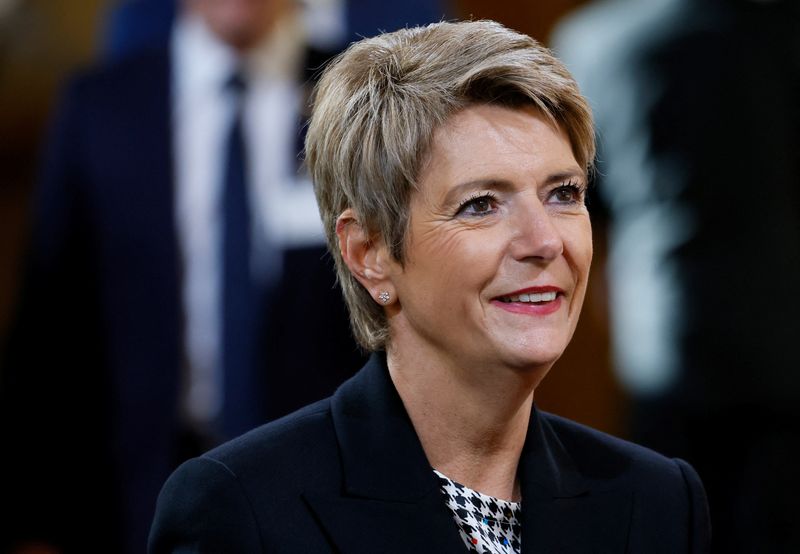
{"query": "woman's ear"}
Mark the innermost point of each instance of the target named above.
(367, 258)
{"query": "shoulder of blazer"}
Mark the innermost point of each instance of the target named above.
(660, 483)
(247, 494)
(588, 486)
(286, 450)
(600, 456)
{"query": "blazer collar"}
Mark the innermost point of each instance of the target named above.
(390, 500)
(546, 468)
(390, 487)
(382, 456)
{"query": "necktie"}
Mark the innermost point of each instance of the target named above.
(242, 404)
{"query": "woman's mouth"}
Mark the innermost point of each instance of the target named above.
(534, 301)
(531, 298)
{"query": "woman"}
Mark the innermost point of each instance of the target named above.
(450, 164)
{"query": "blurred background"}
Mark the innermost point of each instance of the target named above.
(687, 338)
(43, 41)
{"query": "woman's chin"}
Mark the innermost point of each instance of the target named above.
(537, 363)
(531, 353)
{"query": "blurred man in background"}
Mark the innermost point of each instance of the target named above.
(177, 293)
(696, 103)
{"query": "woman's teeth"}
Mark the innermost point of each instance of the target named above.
(535, 297)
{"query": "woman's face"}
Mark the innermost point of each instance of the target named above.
(499, 243)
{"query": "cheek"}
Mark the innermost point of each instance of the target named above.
(440, 241)
(578, 248)
(454, 265)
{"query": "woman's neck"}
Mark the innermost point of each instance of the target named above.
(472, 422)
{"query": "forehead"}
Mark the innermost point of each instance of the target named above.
(496, 142)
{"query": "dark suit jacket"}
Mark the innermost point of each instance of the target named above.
(348, 474)
(90, 387)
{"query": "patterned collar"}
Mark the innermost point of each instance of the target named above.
(486, 524)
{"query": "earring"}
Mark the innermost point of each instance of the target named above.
(384, 297)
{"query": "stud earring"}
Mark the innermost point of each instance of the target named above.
(384, 297)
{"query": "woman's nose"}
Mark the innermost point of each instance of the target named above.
(535, 234)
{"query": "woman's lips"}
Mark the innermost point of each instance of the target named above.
(532, 301)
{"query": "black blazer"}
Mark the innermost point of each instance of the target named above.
(95, 356)
(348, 474)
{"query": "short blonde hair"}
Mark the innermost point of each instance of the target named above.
(377, 105)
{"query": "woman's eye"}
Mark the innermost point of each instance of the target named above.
(480, 205)
(568, 194)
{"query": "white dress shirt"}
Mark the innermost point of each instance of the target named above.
(283, 208)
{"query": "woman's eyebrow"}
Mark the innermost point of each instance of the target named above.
(572, 173)
(500, 185)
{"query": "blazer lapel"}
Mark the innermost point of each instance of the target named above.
(390, 500)
(561, 510)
